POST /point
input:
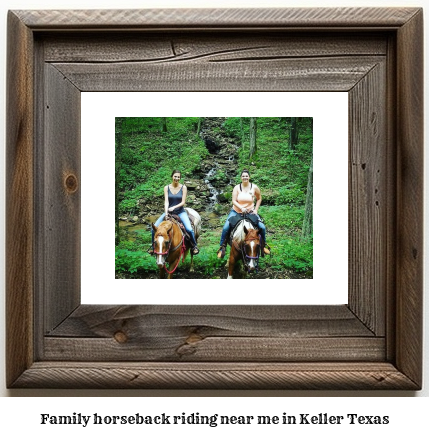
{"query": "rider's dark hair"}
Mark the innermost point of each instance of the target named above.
(176, 171)
(245, 171)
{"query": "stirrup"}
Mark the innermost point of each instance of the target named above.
(151, 250)
(193, 250)
(267, 249)
(221, 252)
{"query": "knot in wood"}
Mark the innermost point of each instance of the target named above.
(193, 337)
(120, 337)
(71, 183)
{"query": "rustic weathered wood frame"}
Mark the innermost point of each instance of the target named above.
(373, 342)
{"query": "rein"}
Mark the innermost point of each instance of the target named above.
(183, 249)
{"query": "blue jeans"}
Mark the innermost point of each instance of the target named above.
(185, 220)
(226, 227)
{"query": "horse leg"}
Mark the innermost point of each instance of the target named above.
(191, 268)
(231, 265)
(162, 273)
(243, 272)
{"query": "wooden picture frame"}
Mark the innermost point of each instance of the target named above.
(373, 342)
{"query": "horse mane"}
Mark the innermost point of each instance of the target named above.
(166, 225)
(238, 233)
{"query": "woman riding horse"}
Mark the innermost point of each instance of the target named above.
(174, 202)
(243, 198)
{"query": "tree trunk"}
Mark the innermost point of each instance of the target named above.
(253, 129)
(307, 226)
(118, 161)
(200, 121)
(242, 132)
(293, 137)
(163, 124)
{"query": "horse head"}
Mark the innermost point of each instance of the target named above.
(162, 241)
(251, 248)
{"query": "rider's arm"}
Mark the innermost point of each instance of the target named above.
(258, 199)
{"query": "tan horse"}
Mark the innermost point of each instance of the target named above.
(170, 245)
(245, 246)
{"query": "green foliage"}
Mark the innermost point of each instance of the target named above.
(127, 261)
(294, 254)
(128, 205)
(288, 249)
(285, 218)
(275, 166)
(148, 156)
(290, 194)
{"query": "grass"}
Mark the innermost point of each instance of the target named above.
(289, 252)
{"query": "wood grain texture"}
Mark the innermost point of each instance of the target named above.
(19, 200)
(409, 278)
(110, 375)
(99, 321)
(178, 347)
(373, 343)
(368, 202)
(391, 191)
(213, 333)
(208, 18)
(178, 47)
(325, 74)
(61, 206)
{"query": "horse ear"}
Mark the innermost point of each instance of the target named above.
(154, 227)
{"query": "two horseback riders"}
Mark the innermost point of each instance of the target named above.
(244, 209)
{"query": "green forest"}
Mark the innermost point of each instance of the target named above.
(210, 153)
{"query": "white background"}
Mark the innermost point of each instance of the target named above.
(330, 197)
(16, 414)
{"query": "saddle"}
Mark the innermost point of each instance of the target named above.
(234, 220)
(176, 218)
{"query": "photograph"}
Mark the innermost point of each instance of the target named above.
(213, 197)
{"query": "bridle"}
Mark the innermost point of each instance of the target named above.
(164, 253)
(246, 257)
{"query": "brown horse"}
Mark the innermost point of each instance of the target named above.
(170, 244)
(245, 245)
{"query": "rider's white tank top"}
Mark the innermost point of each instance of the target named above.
(245, 199)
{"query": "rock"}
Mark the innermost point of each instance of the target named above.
(220, 209)
(190, 199)
(192, 184)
